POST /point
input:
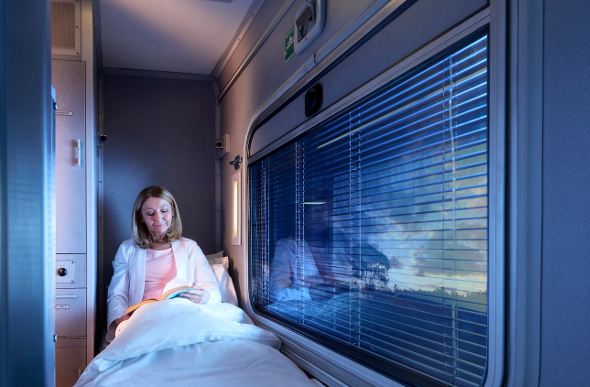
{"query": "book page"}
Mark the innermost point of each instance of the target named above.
(175, 292)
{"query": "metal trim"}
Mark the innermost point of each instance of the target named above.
(497, 258)
(90, 162)
(156, 74)
(525, 192)
(217, 169)
(252, 12)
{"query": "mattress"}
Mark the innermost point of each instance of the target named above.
(179, 343)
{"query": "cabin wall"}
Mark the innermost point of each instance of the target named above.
(565, 337)
(268, 71)
(565, 269)
(160, 131)
(338, 14)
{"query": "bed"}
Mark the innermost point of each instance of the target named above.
(178, 343)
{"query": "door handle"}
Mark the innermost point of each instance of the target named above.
(78, 152)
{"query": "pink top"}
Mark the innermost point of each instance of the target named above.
(160, 268)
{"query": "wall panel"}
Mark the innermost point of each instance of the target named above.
(565, 337)
(160, 131)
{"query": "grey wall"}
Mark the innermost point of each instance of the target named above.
(160, 131)
(566, 206)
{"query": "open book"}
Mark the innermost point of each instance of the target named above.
(165, 296)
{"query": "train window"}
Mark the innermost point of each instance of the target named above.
(369, 232)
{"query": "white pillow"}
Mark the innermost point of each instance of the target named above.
(220, 265)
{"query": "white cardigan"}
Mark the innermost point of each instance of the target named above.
(128, 282)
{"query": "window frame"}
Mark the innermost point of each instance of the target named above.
(315, 358)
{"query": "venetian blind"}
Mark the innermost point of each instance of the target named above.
(369, 233)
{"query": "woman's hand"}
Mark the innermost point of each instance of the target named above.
(119, 320)
(119, 323)
(197, 295)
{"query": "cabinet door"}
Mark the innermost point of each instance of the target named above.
(68, 78)
(70, 361)
(70, 313)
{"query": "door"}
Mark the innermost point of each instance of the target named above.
(68, 78)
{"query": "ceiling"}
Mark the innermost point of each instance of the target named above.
(179, 36)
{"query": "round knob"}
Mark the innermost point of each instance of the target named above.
(62, 271)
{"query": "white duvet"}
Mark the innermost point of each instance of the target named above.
(178, 343)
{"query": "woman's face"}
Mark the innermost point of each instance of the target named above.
(157, 215)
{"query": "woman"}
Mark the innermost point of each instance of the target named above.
(156, 259)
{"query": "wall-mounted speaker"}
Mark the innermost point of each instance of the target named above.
(313, 99)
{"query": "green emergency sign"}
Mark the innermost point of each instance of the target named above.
(290, 43)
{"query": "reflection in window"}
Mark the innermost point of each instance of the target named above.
(369, 233)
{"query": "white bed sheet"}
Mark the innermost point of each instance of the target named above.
(178, 343)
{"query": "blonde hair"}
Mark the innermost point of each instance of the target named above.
(139, 229)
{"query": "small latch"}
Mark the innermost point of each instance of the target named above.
(78, 152)
(236, 162)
